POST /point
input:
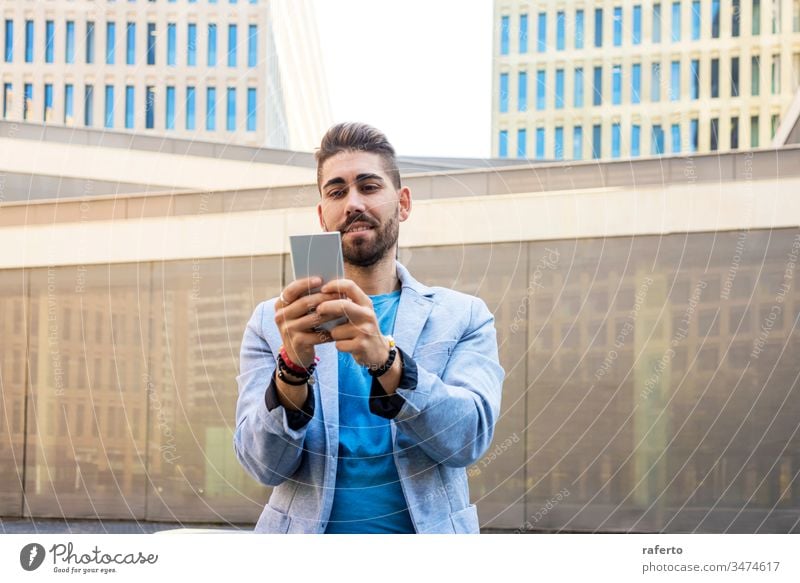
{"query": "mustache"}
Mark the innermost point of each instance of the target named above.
(359, 219)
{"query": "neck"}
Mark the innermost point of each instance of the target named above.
(377, 279)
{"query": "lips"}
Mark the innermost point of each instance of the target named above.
(359, 228)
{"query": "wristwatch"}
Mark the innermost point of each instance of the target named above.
(376, 372)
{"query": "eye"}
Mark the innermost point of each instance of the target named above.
(335, 193)
(370, 187)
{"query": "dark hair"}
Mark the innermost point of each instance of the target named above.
(357, 137)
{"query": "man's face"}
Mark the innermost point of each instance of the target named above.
(360, 201)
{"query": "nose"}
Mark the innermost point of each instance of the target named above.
(355, 201)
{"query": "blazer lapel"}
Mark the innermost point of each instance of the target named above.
(415, 306)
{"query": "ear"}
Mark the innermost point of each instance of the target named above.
(321, 220)
(405, 203)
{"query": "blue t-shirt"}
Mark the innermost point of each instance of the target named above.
(368, 496)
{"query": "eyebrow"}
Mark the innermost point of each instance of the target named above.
(360, 178)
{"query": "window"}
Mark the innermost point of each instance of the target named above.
(795, 15)
(212, 45)
(539, 143)
(714, 18)
(252, 45)
(230, 123)
(129, 106)
(69, 46)
(49, 41)
(191, 45)
(504, 30)
(522, 91)
(170, 119)
(540, 90)
(755, 80)
(776, 74)
(734, 133)
(637, 25)
(29, 41)
(541, 35)
(656, 23)
(191, 102)
(776, 16)
(714, 77)
(559, 143)
(251, 109)
(48, 102)
(754, 131)
(560, 31)
(150, 107)
(9, 47)
(676, 21)
(211, 108)
(675, 134)
(27, 103)
(655, 82)
(559, 88)
(88, 106)
(90, 42)
(598, 27)
(636, 83)
(615, 140)
(735, 77)
(597, 86)
(69, 104)
(696, 20)
(109, 107)
(636, 139)
(151, 43)
(111, 42)
(714, 134)
(774, 123)
(675, 81)
(130, 44)
(7, 99)
(232, 45)
(694, 79)
(694, 135)
(577, 97)
(616, 85)
(172, 40)
(502, 144)
(756, 17)
(577, 143)
(597, 144)
(618, 26)
(736, 16)
(657, 140)
(503, 92)
(579, 29)
(522, 138)
(523, 33)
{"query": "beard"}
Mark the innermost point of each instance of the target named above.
(366, 253)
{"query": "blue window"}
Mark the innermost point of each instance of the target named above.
(559, 142)
(715, 18)
(172, 41)
(111, 42)
(502, 144)
(27, 103)
(618, 26)
(69, 104)
(714, 134)
(616, 130)
(714, 77)
(579, 29)
(211, 108)
(151, 43)
(9, 49)
(577, 143)
(69, 48)
(48, 101)
(597, 143)
(656, 23)
(130, 43)
(636, 140)
(522, 92)
(150, 108)
(736, 18)
(129, 106)
(755, 72)
(252, 109)
(503, 92)
(597, 86)
(522, 142)
(504, 32)
(90, 42)
(88, 106)
(541, 43)
(49, 41)
(657, 140)
(191, 45)
(655, 82)
(637, 25)
(523, 33)
(539, 143)
(170, 121)
(559, 88)
(696, 20)
(7, 96)
(694, 137)
(735, 77)
(232, 45)
(675, 132)
(676, 21)
(541, 87)
(109, 111)
(598, 27)
(29, 41)
(577, 97)
(561, 22)
(212, 45)
(675, 81)
(694, 79)
(230, 123)
(756, 17)
(616, 85)
(636, 83)
(252, 45)
(191, 103)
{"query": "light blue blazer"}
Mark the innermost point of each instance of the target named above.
(445, 425)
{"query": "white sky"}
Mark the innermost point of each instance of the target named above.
(420, 71)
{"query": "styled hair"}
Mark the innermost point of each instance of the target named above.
(357, 137)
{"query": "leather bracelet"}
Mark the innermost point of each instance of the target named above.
(294, 367)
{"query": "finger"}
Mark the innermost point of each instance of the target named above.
(299, 288)
(350, 289)
(302, 306)
(354, 313)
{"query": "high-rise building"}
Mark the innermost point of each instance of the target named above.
(616, 79)
(237, 71)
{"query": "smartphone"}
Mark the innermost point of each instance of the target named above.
(319, 254)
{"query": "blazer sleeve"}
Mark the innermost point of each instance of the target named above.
(266, 444)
